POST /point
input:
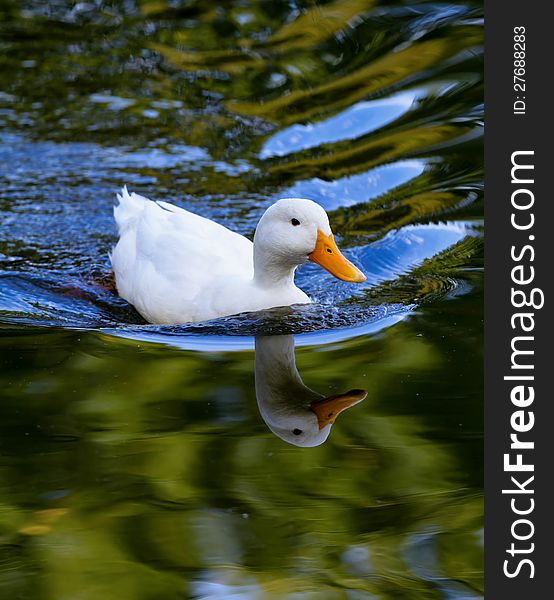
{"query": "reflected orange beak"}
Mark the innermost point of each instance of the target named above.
(327, 409)
(328, 256)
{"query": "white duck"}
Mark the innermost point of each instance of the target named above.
(175, 266)
(292, 411)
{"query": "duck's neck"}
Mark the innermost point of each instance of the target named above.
(272, 270)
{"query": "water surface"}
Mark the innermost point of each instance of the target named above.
(137, 461)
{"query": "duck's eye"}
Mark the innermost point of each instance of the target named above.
(295, 222)
(297, 431)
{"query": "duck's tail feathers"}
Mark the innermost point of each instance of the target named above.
(129, 209)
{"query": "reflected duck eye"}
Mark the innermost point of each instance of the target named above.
(297, 431)
(295, 222)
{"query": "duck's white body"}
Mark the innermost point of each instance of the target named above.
(176, 267)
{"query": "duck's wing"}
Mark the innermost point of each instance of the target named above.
(203, 241)
(167, 255)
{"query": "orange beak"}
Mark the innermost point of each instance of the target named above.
(328, 256)
(327, 409)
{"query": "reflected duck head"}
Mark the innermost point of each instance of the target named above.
(291, 410)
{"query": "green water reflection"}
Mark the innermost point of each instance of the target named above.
(161, 479)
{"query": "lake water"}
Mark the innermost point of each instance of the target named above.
(140, 462)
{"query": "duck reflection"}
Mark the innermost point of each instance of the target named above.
(292, 411)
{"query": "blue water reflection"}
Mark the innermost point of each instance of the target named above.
(354, 189)
(402, 250)
(356, 121)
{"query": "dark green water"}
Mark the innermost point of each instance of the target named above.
(140, 462)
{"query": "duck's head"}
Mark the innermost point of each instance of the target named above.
(295, 230)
